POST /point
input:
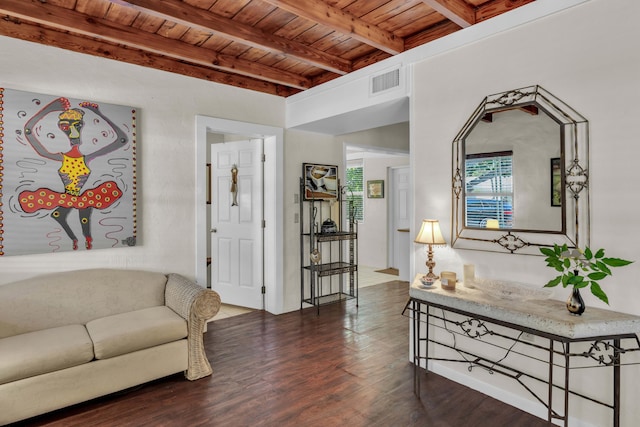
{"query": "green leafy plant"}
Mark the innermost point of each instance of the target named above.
(581, 268)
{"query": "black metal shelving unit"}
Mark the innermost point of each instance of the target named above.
(333, 276)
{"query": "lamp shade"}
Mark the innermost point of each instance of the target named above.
(430, 233)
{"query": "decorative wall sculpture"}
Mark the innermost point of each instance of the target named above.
(67, 174)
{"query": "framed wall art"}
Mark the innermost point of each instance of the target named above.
(67, 174)
(320, 181)
(375, 189)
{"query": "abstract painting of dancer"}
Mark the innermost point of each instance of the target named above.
(74, 171)
(91, 177)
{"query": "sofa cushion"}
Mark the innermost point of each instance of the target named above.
(76, 297)
(136, 330)
(39, 352)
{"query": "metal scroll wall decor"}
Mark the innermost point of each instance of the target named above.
(507, 193)
(67, 174)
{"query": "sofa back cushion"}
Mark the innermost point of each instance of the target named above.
(76, 297)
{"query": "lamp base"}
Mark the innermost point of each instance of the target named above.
(430, 277)
(427, 282)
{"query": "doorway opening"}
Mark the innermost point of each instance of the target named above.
(378, 237)
(209, 130)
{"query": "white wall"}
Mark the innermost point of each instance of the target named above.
(392, 138)
(587, 56)
(167, 105)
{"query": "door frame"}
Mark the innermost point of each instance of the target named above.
(273, 197)
(392, 251)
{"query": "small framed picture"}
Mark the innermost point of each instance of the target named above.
(556, 182)
(375, 189)
(320, 182)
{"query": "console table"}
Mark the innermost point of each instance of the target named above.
(539, 332)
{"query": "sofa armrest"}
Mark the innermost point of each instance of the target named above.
(196, 305)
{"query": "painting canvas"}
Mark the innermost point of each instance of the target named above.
(67, 174)
(375, 189)
(320, 181)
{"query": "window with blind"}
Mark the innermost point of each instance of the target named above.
(355, 190)
(489, 190)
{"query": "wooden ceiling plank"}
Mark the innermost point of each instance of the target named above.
(434, 33)
(457, 11)
(216, 44)
(295, 29)
(367, 60)
(342, 22)
(498, 7)
(313, 33)
(67, 20)
(409, 22)
(173, 31)
(330, 40)
(92, 8)
(362, 50)
(275, 20)
(226, 8)
(254, 13)
(37, 34)
(122, 15)
(192, 16)
(388, 11)
(362, 8)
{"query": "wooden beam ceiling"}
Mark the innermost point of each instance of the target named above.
(191, 16)
(342, 22)
(279, 47)
(68, 20)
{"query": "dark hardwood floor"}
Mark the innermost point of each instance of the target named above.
(346, 367)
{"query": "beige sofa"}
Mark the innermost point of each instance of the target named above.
(70, 337)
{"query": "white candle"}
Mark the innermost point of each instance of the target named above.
(469, 275)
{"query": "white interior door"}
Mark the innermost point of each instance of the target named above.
(236, 231)
(400, 208)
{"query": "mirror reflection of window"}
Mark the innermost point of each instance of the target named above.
(489, 190)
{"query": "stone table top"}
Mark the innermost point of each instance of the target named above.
(544, 315)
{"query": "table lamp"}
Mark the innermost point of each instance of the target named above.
(430, 235)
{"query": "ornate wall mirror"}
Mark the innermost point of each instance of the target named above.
(520, 175)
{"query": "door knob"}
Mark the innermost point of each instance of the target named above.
(214, 230)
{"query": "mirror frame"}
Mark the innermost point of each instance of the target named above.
(574, 148)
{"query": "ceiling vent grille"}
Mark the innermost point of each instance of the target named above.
(385, 81)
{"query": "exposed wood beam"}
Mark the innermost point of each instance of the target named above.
(342, 22)
(34, 33)
(457, 11)
(68, 20)
(191, 16)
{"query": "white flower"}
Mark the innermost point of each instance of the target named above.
(573, 253)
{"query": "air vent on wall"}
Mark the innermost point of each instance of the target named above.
(385, 81)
